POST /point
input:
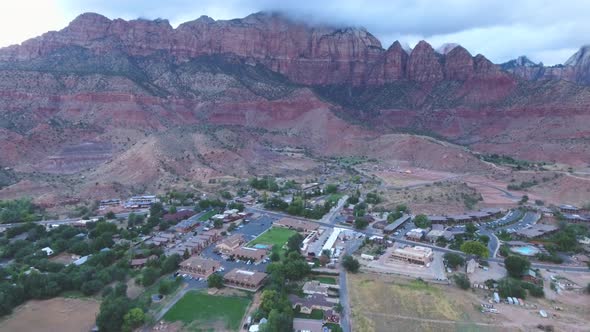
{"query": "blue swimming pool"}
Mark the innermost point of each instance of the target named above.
(261, 246)
(525, 250)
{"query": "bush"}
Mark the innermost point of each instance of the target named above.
(511, 287)
(453, 260)
(350, 264)
(422, 221)
(462, 281)
(516, 266)
(215, 281)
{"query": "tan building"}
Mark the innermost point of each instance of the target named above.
(308, 325)
(199, 267)
(295, 224)
(252, 254)
(244, 279)
(416, 255)
(229, 244)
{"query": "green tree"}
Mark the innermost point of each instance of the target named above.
(186, 254)
(331, 189)
(470, 228)
(484, 239)
(516, 266)
(149, 276)
(110, 215)
(360, 223)
(453, 260)
(133, 319)
(351, 264)
(422, 221)
(218, 223)
(278, 322)
(112, 313)
(402, 208)
(172, 209)
(294, 243)
(462, 281)
(475, 248)
(215, 281)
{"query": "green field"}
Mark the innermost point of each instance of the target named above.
(207, 215)
(207, 310)
(274, 236)
(326, 280)
(334, 198)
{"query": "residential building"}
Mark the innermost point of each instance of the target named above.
(315, 287)
(416, 255)
(199, 267)
(536, 230)
(244, 279)
(397, 223)
(566, 208)
(138, 263)
(308, 325)
(231, 243)
(253, 254)
(438, 219)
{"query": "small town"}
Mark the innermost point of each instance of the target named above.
(173, 256)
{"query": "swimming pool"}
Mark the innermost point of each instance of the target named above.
(525, 250)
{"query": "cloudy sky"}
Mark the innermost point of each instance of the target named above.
(545, 30)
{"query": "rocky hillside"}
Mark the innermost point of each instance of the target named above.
(101, 95)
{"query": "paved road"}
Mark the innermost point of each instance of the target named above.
(72, 220)
(330, 217)
(345, 321)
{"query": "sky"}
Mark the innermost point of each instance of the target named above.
(546, 31)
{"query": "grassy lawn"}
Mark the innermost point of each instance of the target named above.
(274, 236)
(207, 309)
(315, 314)
(207, 215)
(326, 280)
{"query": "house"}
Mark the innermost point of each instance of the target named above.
(231, 243)
(308, 325)
(415, 234)
(298, 225)
(434, 234)
(48, 251)
(315, 287)
(253, 254)
(141, 201)
(199, 267)
(244, 279)
(247, 200)
(470, 266)
(416, 255)
(308, 303)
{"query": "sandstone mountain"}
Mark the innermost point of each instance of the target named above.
(102, 98)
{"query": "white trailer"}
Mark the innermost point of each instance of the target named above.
(496, 297)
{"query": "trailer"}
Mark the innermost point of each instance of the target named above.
(510, 301)
(496, 297)
(521, 302)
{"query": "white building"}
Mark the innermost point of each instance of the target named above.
(48, 251)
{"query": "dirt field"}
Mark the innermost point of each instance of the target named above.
(385, 303)
(58, 314)
(396, 304)
(63, 258)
